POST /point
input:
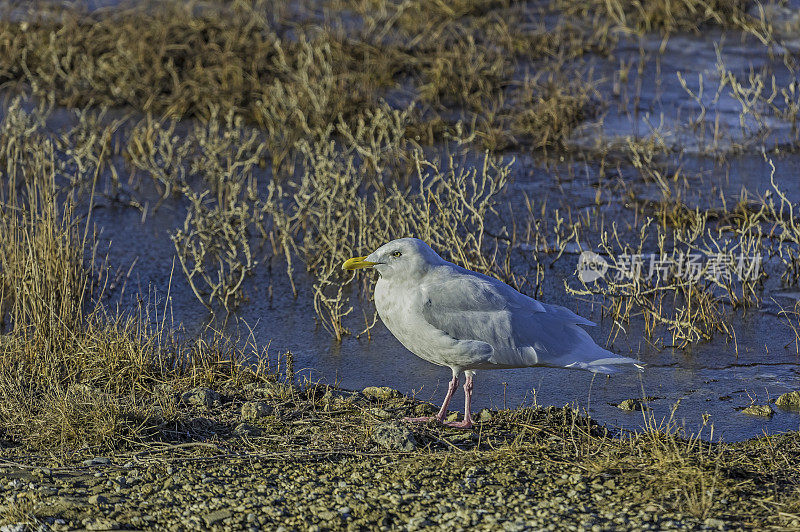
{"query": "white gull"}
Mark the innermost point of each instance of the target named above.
(467, 321)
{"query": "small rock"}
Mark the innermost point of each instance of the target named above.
(217, 516)
(394, 436)
(99, 460)
(255, 410)
(245, 430)
(714, 522)
(327, 515)
(759, 410)
(460, 437)
(205, 397)
(417, 523)
(122, 482)
(16, 527)
(789, 400)
(630, 405)
(101, 524)
(163, 390)
(485, 415)
(514, 526)
(97, 500)
(381, 392)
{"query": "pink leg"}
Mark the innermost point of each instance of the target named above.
(451, 389)
(467, 422)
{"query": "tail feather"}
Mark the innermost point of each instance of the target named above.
(556, 338)
(586, 354)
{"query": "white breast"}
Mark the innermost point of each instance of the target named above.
(400, 313)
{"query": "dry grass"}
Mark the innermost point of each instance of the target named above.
(792, 319)
(44, 278)
(660, 468)
(301, 82)
(290, 77)
(357, 165)
(126, 57)
(71, 374)
(726, 245)
(449, 206)
(22, 511)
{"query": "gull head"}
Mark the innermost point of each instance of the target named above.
(404, 257)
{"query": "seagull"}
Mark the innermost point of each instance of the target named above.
(467, 321)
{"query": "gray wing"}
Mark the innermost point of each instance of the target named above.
(466, 304)
(467, 307)
(521, 330)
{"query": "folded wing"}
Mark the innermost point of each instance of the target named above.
(521, 330)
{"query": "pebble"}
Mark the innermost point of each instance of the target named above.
(97, 500)
(759, 410)
(439, 488)
(255, 410)
(631, 405)
(789, 400)
(340, 398)
(217, 516)
(394, 436)
(204, 397)
(246, 430)
(96, 461)
(381, 392)
(714, 522)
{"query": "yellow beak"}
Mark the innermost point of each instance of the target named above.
(357, 262)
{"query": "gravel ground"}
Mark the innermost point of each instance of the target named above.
(329, 460)
(347, 492)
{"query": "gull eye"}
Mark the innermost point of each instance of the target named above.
(396, 254)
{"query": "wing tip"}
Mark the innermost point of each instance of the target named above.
(609, 366)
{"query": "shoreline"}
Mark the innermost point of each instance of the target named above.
(272, 455)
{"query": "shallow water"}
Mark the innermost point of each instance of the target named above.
(701, 386)
(712, 379)
(646, 96)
